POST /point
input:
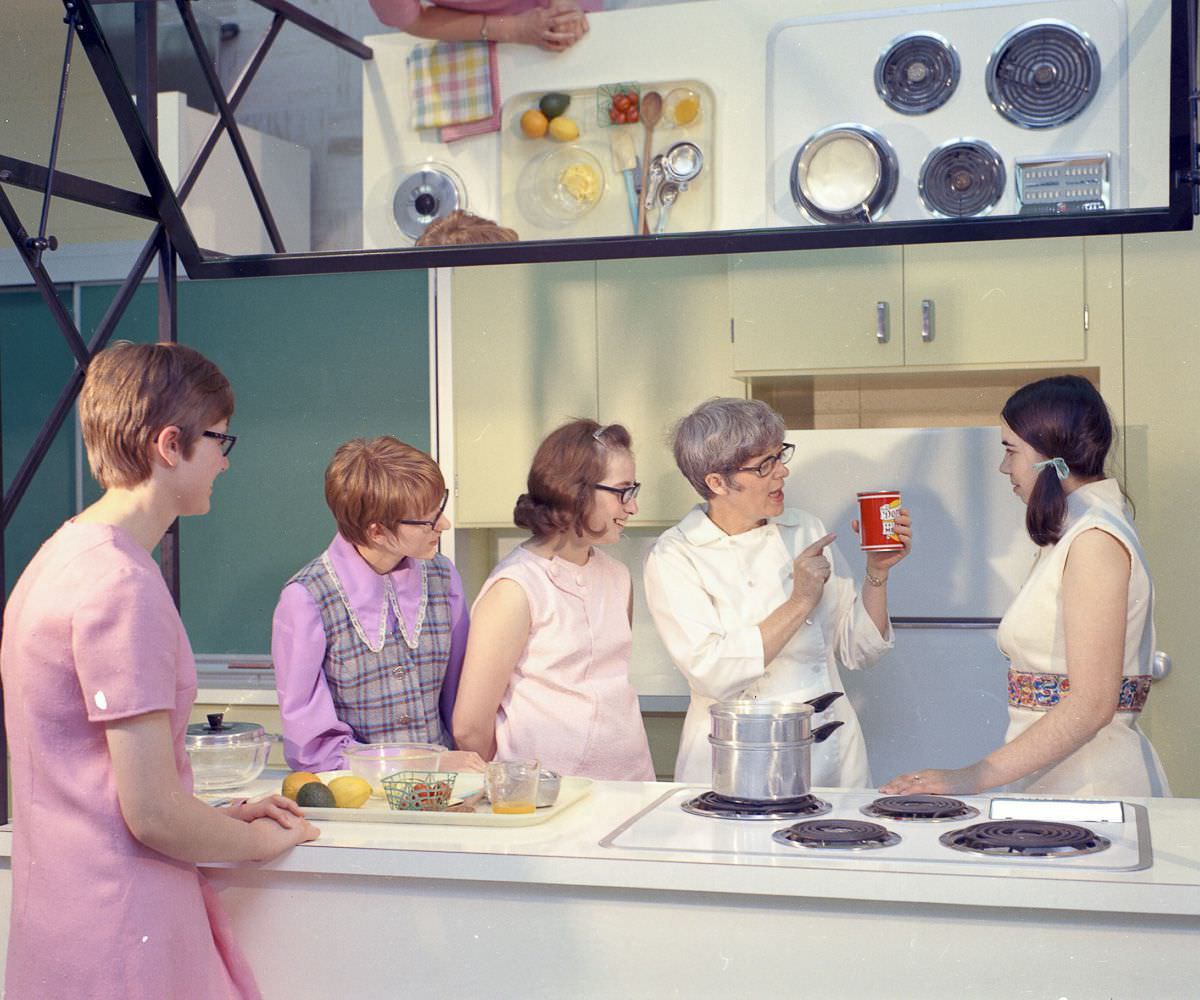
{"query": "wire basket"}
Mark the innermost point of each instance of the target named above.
(604, 100)
(427, 791)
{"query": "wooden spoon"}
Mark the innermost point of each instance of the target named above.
(650, 112)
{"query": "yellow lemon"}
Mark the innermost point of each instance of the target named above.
(350, 791)
(563, 129)
(295, 781)
(534, 123)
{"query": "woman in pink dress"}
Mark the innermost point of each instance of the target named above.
(553, 25)
(98, 682)
(546, 674)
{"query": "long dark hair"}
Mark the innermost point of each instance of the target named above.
(1061, 417)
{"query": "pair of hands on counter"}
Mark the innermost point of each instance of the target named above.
(554, 28)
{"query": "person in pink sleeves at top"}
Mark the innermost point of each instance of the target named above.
(546, 675)
(554, 25)
(368, 638)
(99, 680)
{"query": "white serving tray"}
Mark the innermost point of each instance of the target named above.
(376, 810)
(694, 210)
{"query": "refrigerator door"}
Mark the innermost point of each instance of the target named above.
(939, 699)
(970, 550)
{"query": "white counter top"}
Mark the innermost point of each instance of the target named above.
(566, 851)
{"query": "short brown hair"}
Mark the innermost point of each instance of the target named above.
(380, 481)
(459, 228)
(565, 469)
(133, 391)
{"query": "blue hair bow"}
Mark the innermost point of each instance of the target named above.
(1059, 466)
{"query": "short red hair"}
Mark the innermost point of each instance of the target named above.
(380, 481)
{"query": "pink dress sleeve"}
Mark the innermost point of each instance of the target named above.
(125, 643)
(314, 738)
(397, 13)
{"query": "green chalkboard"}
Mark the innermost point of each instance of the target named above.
(313, 361)
(34, 367)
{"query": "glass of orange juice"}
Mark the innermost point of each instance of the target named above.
(512, 785)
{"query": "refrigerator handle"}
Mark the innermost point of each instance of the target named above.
(927, 320)
(881, 322)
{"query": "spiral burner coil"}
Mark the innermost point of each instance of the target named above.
(1026, 839)
(920, 807)
(836, 834)
(1043, 74)
(918, 73)
(721, 807)
(960, 178)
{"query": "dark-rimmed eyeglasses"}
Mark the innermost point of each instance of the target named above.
(432, 523)
(767, 465)
(227, 440)
(627, 493)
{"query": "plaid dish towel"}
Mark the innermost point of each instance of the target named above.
(451, 83)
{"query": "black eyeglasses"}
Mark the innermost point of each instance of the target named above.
(227, 440)
(767, 465)
(626, 493)
(432, 523)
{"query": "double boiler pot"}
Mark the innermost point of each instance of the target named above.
(761, 750)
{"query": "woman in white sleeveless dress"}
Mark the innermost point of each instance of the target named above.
(1080, 633)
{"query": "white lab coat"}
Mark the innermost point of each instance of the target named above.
(709, 591)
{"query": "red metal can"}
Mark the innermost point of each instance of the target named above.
(877, 510)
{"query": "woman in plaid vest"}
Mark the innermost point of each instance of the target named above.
(368, 638)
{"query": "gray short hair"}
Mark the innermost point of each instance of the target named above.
(722, 433)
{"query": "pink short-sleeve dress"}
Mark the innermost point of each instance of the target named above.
(91, 636)
(569, 703)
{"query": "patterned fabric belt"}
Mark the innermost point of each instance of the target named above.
(1042, 691)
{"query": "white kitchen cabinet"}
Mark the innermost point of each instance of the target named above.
(1015, 302)
(662, 348)
(817, 309)
(524, 361)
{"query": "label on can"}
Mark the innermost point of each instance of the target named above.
(877, 511)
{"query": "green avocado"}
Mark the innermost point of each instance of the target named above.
(553, 105)
(315, 794)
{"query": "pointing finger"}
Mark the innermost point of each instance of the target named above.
(818, 545)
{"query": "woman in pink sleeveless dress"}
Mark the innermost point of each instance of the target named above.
(98, 683)
(554, 25)
(546, 674)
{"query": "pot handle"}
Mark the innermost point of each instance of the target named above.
(822, 702)
(822, 733)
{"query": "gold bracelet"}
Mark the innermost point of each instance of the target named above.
(875, 581)
(483, 28)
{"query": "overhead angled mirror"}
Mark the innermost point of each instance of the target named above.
(665, 128)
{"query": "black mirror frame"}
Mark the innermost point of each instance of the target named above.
(1177, 215)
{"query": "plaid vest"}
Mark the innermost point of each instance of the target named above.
(391, 695)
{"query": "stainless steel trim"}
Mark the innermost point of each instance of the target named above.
(881, 322)
(916, 623)
(876, 201)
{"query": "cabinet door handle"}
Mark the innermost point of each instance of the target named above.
(927, 320)
(881, 322)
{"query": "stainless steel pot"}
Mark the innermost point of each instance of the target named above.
(765, 772)
(766, 721)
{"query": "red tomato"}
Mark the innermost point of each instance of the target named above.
(621, 102)
(615, 116)
(631, 115)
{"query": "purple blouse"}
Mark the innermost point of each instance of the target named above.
(314, 738)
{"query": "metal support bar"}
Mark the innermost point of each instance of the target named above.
(43, 241)
(117, 93)
(66, 399)
(235, 99)
(32, 259)
(231, 125)
(305, 20)
(34, 177)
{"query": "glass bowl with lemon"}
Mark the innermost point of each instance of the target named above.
(568, 183)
